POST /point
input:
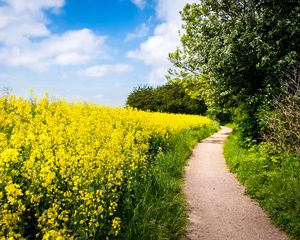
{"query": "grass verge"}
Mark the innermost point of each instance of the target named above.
(161, 211)
(271, 178)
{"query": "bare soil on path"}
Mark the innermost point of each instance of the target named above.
(217, 204)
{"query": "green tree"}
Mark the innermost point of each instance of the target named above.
(171, 98)
(142, 98)
(243, 47)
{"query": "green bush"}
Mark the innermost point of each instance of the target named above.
(171, 98)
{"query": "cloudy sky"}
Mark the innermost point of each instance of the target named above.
(86, 50)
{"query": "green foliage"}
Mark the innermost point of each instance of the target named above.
(161, 212)
(171, 98)
(271, 178)
(243, 47)
(283, 123)
(142, 98)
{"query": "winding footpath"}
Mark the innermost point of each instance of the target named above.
(218, 207)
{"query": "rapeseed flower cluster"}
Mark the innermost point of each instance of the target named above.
(66, 170)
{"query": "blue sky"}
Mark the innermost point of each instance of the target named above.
(86, 50)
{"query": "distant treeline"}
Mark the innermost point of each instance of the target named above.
(171, 98)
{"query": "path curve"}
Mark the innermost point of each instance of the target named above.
(218, 208)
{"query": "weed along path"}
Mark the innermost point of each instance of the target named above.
(218, 207)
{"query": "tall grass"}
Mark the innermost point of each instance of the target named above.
(161, 211)
(271, 178)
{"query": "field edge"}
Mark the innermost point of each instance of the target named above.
(161, 212)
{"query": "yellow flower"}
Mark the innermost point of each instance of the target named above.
(74, 163)
(116, 223)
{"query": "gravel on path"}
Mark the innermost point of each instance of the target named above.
(217, 205)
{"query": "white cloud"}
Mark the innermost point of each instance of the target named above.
(154, 51)
(139, 3)
(168, 10)
(73, 47)
(140, 32)
(21, 20)
(157, 75)
(26, 41)
(99, 96)
(99, 71)
(32, 5)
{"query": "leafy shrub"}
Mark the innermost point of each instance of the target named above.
(283, 123)
(171, 98)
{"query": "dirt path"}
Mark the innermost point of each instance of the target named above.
(218, 208)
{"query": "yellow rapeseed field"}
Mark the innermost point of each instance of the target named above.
(66, 169)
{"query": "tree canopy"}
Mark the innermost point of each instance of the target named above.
(171, 98)
(242, 48)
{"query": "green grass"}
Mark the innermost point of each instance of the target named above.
(271, 178)
(230, 125)
(161, 211)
